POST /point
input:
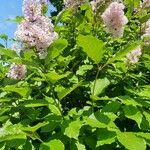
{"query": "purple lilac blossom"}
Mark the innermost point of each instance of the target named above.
(114, 19)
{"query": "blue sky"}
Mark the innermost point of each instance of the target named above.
(9, 9)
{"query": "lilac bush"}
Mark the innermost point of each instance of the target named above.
(78, 80)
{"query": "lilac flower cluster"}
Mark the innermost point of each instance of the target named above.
(147, 30)
(17, 72)
(37, 34)
(146, 3)
(31, 9)
(114, 19)
(146, 35)
(36, 30)
(133, 57)
(73, 3)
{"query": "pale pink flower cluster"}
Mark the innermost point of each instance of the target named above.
(146, 3)
(36, 30)
(73, 3)
(37, 34)
(17, 72)
(31, 9)
(114, 19)
(147, 30)
(146, 34)
(133, 57)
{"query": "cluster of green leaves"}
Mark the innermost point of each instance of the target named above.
(82, 96)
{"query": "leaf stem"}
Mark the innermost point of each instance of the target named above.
(57, 104)
(99, 68)
(97, 74)
(93, 91)
(94, 86)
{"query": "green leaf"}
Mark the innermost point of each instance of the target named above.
(2, 146)
(147, 116)
(128, 101)
(75, 145)
(17, 19)
(1, 45)
(131, 141)
(143, 135)
(54, 122)
(3, 110)
(131, 5)
(64, 16)
(83, 69)
(28, 146)
(80, 146)
(147, 64)
(4, 118)
(133, 113)
(111, 107)
(105, 98)
(92, 46)
(101, 120)
(16, 60)
(52, 145)
(64, 61)
(35, 103)
(53, 77)
(73, 129)
(29, 55)
(105, 137)
(122, 53)
(34, 128)
(15, 143)
(95, 122)
(11, 132)
(56, 48)
(4, 37)
(90, 141)
(100, 86)
(7, 52)
(23, 91)
(65, 92)
(53, 105)
(54, 109)
(145, 92)
(145, 18)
